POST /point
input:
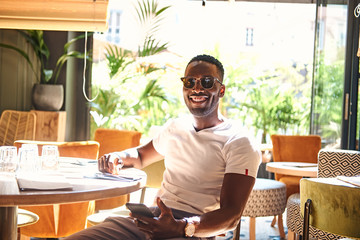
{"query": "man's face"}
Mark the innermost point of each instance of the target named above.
(199, 100)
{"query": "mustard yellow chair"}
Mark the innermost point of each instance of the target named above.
(113, 140)
(61, 220)
(154, 172)
(294, 148)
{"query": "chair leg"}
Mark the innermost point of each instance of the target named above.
(307, 212)
(281, 227)
(22, 237)
(291, 235)
(142, 197)
(252, 229)
(273, 221)
(237, 231)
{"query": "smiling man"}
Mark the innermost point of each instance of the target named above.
(211, 165)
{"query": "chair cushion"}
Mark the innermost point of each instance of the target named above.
(268, 198)
(26, 217)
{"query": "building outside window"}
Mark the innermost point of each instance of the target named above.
(113, 33)
(249, 37)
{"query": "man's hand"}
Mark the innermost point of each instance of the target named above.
(109, 164)
(163, 227)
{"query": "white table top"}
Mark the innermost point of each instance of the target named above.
(300, 169)
(83, 188)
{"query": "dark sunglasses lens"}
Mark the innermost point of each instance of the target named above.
(207, 82)
(189, 82)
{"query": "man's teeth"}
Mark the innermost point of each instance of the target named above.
(198, 98)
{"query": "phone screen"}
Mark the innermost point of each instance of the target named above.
(140, 209)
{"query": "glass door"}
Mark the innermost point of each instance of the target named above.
(328, 71)
(350, 136)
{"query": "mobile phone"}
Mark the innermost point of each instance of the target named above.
(140, 209)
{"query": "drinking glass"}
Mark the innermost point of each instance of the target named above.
(8, 159)
(28, 160)
(2, 163)
(50, 157)
(37, 162)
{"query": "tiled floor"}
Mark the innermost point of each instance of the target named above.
(264, 231)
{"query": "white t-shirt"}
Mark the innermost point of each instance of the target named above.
(196, 162)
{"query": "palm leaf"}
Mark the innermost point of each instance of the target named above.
(118, 59)
(151, 47)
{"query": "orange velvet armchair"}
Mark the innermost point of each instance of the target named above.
(294, 148)
(60, 220)
(113, 140)
(79, 149)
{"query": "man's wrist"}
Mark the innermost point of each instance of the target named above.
(116, 159)
(181, 227)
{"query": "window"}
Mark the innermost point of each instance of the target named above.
(249, 37)
(113, 34)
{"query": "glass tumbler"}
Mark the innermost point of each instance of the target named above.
(37, 162)
(28, 160)
(8, 159)
(50, 157)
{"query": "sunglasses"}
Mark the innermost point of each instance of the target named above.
(206, 82)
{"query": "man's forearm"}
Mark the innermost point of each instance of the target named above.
(235, 192)
(130, 158)
(140, 157)
(216, 222)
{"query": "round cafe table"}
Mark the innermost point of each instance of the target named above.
(83, 188)
(300, 169)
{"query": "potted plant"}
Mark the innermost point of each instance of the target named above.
(47, 95)
(110, 109)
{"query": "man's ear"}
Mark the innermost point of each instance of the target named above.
(222, 91)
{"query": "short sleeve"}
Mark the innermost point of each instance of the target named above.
(242, 156)
(159, 140)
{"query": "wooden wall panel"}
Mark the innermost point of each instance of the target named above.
(16, 76)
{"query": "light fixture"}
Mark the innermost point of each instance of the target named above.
(63, 15)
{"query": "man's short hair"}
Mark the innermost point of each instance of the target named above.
(209, 59)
